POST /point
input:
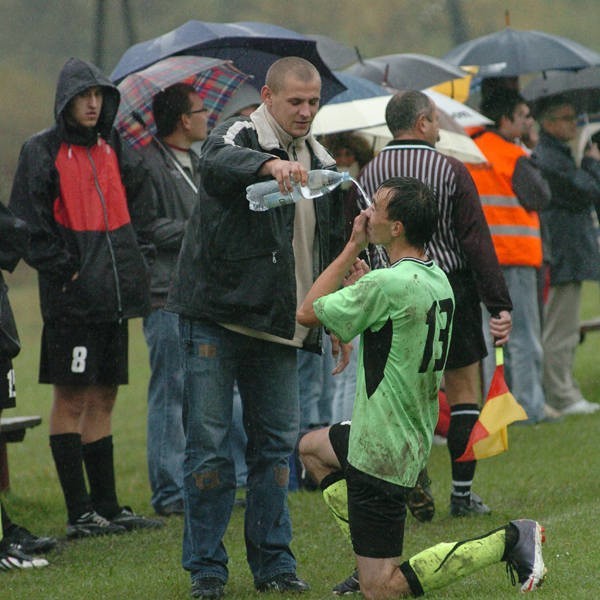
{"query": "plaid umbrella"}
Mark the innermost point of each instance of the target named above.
(214, 79)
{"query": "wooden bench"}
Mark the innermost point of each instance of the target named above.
(12, 429)
(587, 326)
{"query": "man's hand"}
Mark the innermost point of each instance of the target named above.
(286, 173)
(592, 151)
(357, 270)
(341, 353)
(500, 326)
(359, 235)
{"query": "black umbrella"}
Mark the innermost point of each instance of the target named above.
(582, 88)
(406, 71)
(253, 47)
(512, 52)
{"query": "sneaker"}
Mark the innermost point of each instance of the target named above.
(284, 582)
(12, 557)
(174, 508)
(207, 587)
(90, 524)
(468, 506)
(350, 585)
(129, 520)
(29, 543)
(581, 407)
(526, 556)
(420, 499)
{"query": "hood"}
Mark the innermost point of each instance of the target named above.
(76, 76)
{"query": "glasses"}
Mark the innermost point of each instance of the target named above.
(199, 110)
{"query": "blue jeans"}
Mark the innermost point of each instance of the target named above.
(523, 352)
(166, 440)
(214, 358)
(316, 386)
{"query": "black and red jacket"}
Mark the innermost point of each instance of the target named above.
(82, 193)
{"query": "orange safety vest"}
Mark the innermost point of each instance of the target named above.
(515, 230)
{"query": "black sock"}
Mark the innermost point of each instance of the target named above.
(66, 451)
(462, 419)
(6, 522)
(99, 465)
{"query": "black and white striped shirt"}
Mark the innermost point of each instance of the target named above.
(462, 241)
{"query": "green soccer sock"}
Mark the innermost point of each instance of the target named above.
(444, 563)
(335, 494)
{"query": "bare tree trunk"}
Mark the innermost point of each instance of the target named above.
(99, 31)
(460, 29)
(128, 22)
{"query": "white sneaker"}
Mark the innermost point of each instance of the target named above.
(581, 407)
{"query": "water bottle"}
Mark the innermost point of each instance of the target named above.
(265, 194)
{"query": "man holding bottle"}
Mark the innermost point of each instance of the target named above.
(241, 276)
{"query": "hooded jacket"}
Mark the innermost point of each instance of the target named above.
(78, 189)
(237, 266)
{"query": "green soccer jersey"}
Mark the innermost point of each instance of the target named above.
(404, 315)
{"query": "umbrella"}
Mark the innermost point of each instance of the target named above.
(582, 88)
(253, 47)
(214, 79)
(406, 71)
(361, 105)
(511, 52)
(334, 54)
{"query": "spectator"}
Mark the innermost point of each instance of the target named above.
(76, 186)
(240, 277)
(572, 243)
(174, 168)
(512, 190)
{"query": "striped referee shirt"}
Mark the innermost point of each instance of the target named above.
(462, 241)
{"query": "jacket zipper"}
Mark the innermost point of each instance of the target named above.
(107, 235)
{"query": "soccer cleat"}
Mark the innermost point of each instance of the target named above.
(420, 499)
(350, 585)
(12, 557)
(207, 587)
(91, 524)
(284, 582)
(468, 506)
(129, 520)
(29, 543)
(526, 556)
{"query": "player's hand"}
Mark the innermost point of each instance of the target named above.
(341, 353)
(357, 270)
(500, 326)
(286, 172)
(359, 235)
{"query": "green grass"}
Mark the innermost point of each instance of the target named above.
(550, 474)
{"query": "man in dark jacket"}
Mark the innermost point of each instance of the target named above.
(240, 277)
(180, 119)
(76, 188)
(571, 248)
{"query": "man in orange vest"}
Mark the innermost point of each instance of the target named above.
(512, 190)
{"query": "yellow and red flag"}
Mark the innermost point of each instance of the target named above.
(490, 435)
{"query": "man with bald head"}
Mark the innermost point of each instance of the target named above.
(240, 278)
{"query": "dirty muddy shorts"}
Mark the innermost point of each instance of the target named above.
(8, 394)
(376, 508)
(84, 354)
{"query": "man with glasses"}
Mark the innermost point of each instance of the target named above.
(180, 119)
(572, 244)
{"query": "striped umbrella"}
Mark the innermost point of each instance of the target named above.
(214, 79)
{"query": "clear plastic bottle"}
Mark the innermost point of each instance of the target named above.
(265, 194)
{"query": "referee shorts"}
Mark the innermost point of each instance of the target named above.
(467, 345)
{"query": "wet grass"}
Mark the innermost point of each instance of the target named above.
(549, 474)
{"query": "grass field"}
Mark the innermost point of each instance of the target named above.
(550, 474)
